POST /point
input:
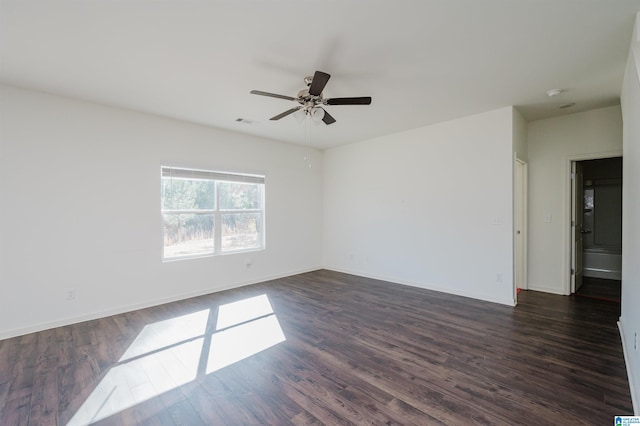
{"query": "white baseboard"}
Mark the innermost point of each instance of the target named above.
(7, 334)
(630, 372)
(426, 286)
(546, 289)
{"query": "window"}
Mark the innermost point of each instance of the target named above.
(207, 213)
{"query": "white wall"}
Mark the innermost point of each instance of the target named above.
(80, 208)
(552, 144)
(417, 207)
(630, 318)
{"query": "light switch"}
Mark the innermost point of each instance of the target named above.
(547, 218)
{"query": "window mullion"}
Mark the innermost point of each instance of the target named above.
(217, 224)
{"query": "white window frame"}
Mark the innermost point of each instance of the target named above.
(217, 212)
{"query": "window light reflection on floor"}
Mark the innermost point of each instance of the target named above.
(243, 310)
(243, 328)
(241, 341)
(163, 334)
(170, 353)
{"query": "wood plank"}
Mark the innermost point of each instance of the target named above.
(44, 394)
(183, 414)
(8, 353)
(17, 408)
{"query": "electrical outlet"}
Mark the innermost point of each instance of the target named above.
(635, 341)
(499, 277)
(70, 294)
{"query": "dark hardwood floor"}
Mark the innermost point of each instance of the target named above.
(335, 349)
(600, 288)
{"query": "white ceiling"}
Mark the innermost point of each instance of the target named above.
(422, 61)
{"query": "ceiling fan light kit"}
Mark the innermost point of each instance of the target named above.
(311, 100)
(317, 114)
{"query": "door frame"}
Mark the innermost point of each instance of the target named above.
(520, 190)
(567, 228)
(577, 217)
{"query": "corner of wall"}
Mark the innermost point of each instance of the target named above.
(520, 135)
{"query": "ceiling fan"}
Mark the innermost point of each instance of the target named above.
(311, 99)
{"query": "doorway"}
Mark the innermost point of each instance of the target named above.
(596, 228)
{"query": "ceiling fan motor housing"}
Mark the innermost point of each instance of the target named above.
(309, 101)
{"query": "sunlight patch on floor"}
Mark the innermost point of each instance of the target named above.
(162, 334)
(239, 342)
(132, 383)
(243, 310)
(170, 353)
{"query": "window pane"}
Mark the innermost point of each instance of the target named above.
(188, 234)
(187, 194)
(239, 196)
(241, 231)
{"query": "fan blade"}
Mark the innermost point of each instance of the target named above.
(366, 100)
(320, 80)
(328, 119)
(272, 95)
(284, 114)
